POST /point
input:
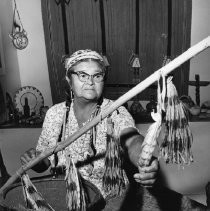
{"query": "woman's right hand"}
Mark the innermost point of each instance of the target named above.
(28, 156)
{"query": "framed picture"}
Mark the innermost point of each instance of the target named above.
(2, 64)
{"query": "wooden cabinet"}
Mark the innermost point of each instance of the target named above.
(161, 27)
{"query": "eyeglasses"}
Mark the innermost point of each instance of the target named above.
(84, 77)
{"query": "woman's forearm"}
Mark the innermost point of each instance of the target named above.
(131, 142)
(134, 148)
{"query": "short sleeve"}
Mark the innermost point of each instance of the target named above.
(122, 119)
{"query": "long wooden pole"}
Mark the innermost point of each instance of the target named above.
(191, 52)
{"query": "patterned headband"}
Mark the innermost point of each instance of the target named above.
(80, 55)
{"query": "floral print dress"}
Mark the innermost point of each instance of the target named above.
(79, 149)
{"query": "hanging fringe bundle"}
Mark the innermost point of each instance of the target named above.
(153, 132)
(33, 199)
(176, 147)
(75, 195)
(113, 178)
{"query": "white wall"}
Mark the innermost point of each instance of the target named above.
(32, 60)
(10, 81)
(201, 63)
(27, 67)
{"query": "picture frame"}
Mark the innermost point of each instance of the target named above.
(2, 63)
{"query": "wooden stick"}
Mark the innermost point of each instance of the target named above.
(191, 52)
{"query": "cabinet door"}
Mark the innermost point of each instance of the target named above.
(121, 42)
(83, 25)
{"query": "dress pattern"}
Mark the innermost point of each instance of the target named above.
(79, 149)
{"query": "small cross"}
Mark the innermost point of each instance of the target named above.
(197, 83)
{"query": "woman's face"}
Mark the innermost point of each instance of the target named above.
(89, 90)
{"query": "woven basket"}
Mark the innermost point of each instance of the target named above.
(135, 198)
(53, 191)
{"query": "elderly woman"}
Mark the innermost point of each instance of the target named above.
(98, 158)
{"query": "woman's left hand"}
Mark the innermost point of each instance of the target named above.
(147, 175)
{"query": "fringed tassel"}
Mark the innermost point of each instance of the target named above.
(113, 178)
(75, 195)
(33, 198)
(153, 132)
(176, 147)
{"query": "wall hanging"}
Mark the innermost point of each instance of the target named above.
(28, 100)
(18, 34)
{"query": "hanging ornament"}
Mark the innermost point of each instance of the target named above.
(177, 143)
(18, 34)
(176, 146)
(134, 62)
(113, 178)
(75, 192)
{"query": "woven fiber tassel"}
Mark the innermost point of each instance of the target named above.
(33, 199)
(176, 147)
(113, 178)
(153, 132)
(75, 193)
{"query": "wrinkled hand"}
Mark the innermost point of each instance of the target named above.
(147, 175)
(28, 156)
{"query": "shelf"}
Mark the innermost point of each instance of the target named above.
(13, 125)
(139, 119)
